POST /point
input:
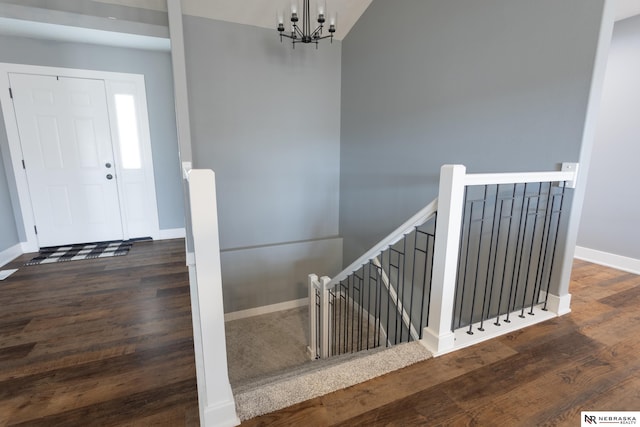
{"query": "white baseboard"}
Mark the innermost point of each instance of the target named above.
(463, 339)
(560, 305)
(10, 254)
(619, 262)
(172, 233)
(266, 309)
(222, 414)
(29, 247)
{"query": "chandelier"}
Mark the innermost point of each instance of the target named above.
(306, 35)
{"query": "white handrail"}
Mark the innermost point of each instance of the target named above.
(517, 178)
(418, 219)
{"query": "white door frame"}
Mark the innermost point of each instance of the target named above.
(14, 157)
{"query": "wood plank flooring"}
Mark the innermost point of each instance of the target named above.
(540, 376)
(109, 343)
(101, 342)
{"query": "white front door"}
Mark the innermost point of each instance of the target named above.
(65, 135)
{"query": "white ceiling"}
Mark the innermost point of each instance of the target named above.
(627, 8)
(66, 33)
(261, 13)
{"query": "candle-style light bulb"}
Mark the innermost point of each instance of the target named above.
(333, 22)
(321, 12)
(280, 21)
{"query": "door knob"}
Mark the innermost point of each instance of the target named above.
(109, 176)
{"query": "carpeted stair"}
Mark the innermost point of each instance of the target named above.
(319, 377)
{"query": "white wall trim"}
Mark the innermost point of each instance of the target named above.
(172, 233)
(463, 339)
(619, 262)
(28, 248)
(10, 254)
(266, 309)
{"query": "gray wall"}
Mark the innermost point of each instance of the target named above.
(156, 67)
(266, 119)
(611, 212)
(497, 85)
(8, 230)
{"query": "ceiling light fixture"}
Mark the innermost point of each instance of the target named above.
(306, 35)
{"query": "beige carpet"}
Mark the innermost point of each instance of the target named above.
(269, 368)
(330, 376)
(262, 346)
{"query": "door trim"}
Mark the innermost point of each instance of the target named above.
(13, 156)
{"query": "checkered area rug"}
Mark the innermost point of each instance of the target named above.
(80, 251)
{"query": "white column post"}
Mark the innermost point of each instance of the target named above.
(312, 349)
(324, 317)
(216, 402)
(438, 337)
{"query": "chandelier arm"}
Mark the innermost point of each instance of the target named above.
(325, 37)
(317, 31)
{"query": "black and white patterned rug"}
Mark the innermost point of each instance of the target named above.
(81, 251)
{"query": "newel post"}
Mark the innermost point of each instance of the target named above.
(324, 317)
(438, 336)
(215, 397)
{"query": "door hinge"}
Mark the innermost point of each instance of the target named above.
(35, 229)
(10, 93)
(23, 165)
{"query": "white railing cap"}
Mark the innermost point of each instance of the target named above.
(418, 219)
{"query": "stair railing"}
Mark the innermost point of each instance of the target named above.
(453, 258)
(370, 303)
(383, 299)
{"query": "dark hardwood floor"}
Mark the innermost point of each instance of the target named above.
(99, 342)
(109, 342)
(540, 376)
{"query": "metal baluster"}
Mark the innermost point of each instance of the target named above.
(555, 244)
(495, 256)
(506, 254)
(456, 289)
(514, 275)
(542, 254)
(533, 238)
(463, 289)
(475, 280)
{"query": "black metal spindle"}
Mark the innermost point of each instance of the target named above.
(542, 254)
(475, 280)
(402, 288)
(466, 264)
(456, 289)
(433, 243)
(506, 254)
(533, 235)
(493, 247)
(555, 244)
(378, 303)
(515, 273)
